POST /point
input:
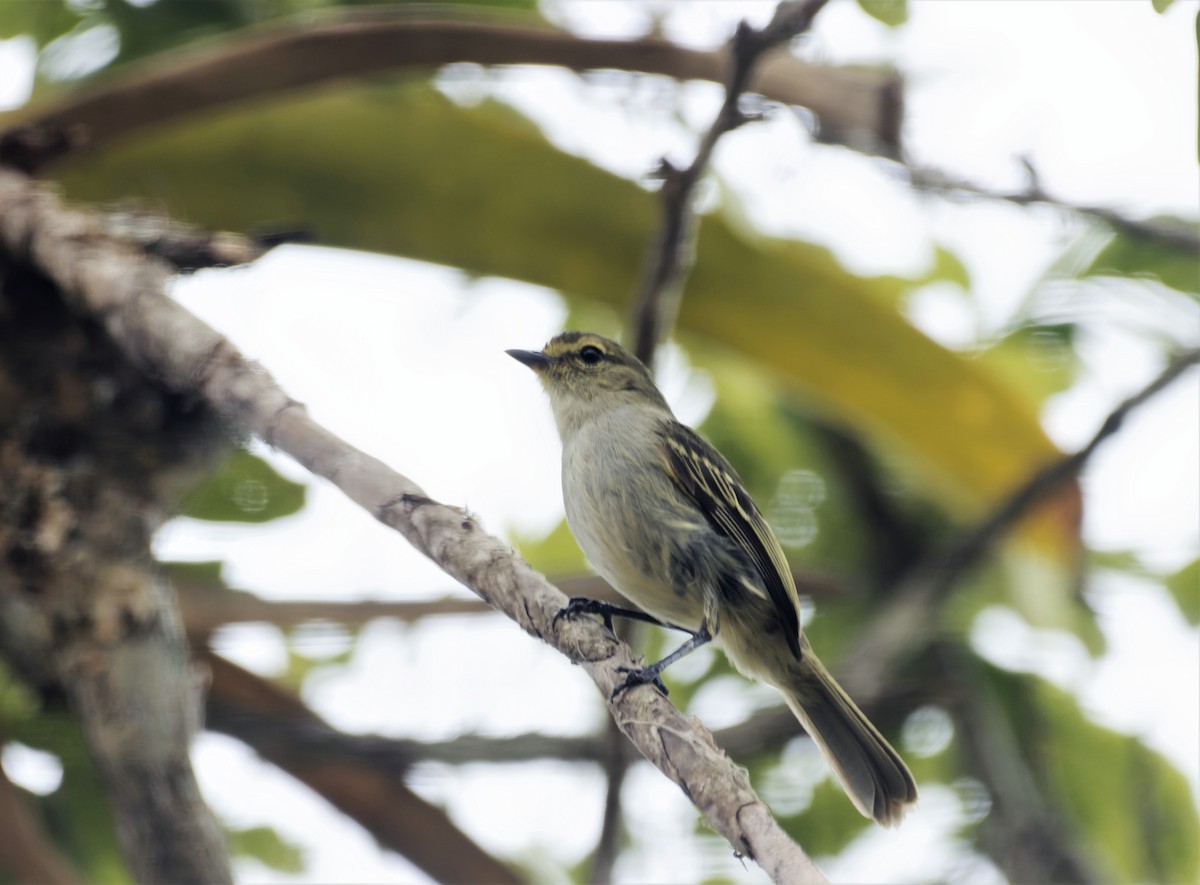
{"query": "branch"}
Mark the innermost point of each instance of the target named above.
(853, 105)
(1186, 239)
(27, 853)
(85, 480)
(206, 609)
(893, 540)
(207, 606)
(904, 624)
(1024, 834)
(673, 253)
(126, 293)
(366, 786)
(973, 545)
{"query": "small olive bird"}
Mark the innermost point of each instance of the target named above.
(665, 519)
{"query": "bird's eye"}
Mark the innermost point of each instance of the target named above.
(591, 355)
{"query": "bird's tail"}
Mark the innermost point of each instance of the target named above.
(871, 772)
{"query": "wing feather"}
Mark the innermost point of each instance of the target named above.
(707, 478)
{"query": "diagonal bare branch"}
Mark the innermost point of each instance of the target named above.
(126, 292)
(903, 625)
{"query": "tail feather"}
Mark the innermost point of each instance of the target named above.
(871, 772)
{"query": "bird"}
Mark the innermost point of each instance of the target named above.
(667, 521)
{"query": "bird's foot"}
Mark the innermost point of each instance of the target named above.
(581, 605)
(643, 676)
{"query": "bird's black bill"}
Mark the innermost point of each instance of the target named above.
(535, 359)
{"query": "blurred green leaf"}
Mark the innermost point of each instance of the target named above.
(244, 488)
(829, 824)
(40, 20)
(1133, 255)
(1133, 810)
(77, 814)
(17, 701)
(555, 555)
(1161, 5)
(1039, 359)
(948, 267)
(890, 12)
(265, 845)
(300, 665)
(206, 573)
(1185, 587)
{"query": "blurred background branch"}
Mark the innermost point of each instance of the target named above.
(286, 56)
(1185, 237)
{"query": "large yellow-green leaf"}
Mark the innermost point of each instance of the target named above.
(399, 169)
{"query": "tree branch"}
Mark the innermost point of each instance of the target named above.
(853, 105)
(206, 606)
(1026, 837)
(126, 293)
(904, 625)
(27, 853)
(367, 786)
(673, 253)
(91, 452)
(1186, 239)
(206, 609)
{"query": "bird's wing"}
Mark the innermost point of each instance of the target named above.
(706, 477)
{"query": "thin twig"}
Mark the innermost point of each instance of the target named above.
(949, 568)
(673, 252)
(1184, 238)
(904, 625)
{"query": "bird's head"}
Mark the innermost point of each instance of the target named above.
(585, 374)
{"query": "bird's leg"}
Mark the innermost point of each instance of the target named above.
(581, 605)
(652, 674)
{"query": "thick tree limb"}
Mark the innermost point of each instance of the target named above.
(126, 292)
(673, 253)
(27, 853)
(92, 453)
(860, 107)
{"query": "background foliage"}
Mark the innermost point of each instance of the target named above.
(835, 408)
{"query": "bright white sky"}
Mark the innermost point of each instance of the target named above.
(1099, 95)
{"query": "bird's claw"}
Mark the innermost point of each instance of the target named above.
(581, 605)
(643, 676)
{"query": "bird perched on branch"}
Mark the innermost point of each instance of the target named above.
(666, 520)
